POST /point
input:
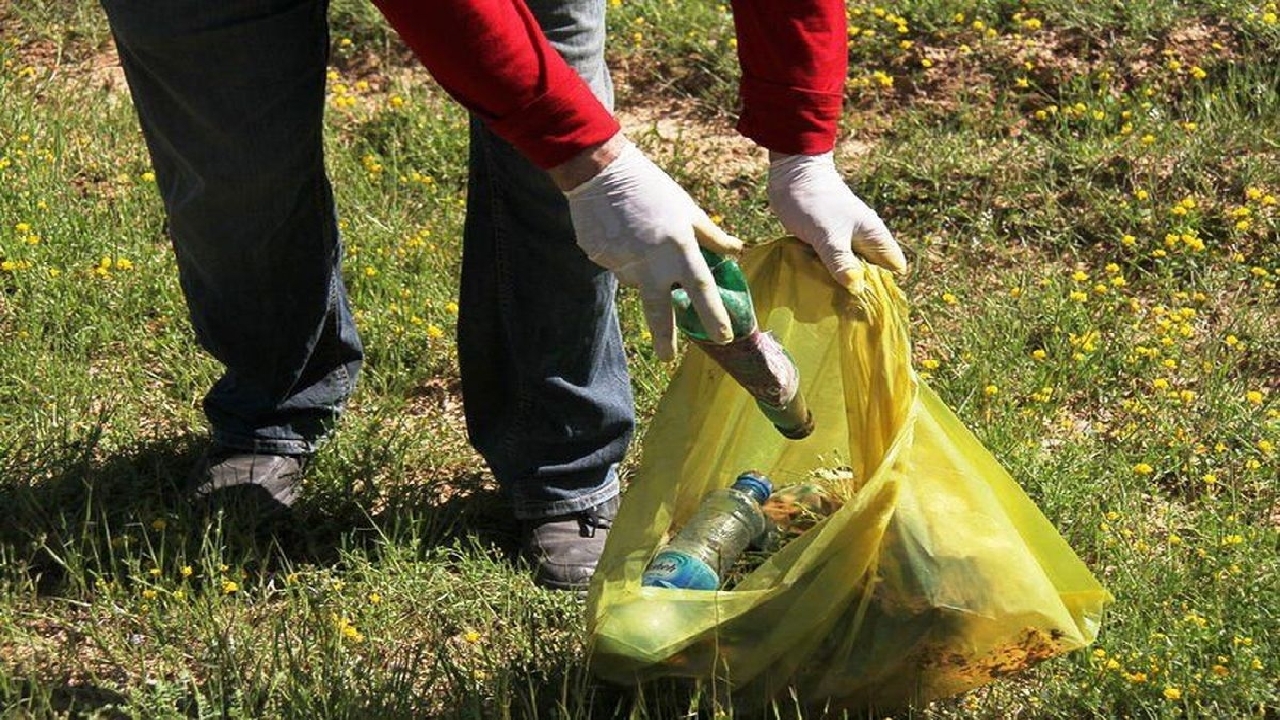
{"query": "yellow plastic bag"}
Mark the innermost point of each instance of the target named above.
(938, 573)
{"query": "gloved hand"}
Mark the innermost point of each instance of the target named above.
(813, 203)
(633, 219)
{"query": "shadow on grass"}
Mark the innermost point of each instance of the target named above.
(71, 509)
(63, 700)
(75, 515)
(65, 508)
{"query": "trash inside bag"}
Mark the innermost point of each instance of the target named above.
(933, 573)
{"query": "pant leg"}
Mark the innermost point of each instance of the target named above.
(230, 95)
(548, 397)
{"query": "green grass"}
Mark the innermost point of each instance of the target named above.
(1088, 194)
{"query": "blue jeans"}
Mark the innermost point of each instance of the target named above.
(230, 95)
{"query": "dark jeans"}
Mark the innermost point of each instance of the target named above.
(230, 94)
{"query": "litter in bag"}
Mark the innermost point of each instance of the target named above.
(937, 573)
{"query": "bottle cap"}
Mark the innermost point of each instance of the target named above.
(756, 484)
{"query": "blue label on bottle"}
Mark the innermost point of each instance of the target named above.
(676, 570)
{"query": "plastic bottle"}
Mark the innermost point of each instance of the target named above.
(728, 520)
(754, 359)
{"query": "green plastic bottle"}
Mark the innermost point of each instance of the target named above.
(756, 360)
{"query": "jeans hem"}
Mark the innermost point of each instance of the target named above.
(545, 510)
(264, 447)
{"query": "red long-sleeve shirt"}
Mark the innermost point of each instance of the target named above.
(492, 57)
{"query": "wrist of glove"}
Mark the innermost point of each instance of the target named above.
(634, 220)
(812, 201)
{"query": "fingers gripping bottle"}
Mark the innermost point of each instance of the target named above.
(753, 358)
(728, 520)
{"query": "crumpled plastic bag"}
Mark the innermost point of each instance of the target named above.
(938, 573)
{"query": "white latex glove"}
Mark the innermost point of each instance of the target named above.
(813, 203)
(633, 219)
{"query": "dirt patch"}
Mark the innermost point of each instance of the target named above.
(708, 147)
(1197, 41)
(675, 134)
(104, 72)
(37, 53)
(438, 396)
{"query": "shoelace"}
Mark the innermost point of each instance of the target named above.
(591, 519)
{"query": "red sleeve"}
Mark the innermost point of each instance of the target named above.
(794, 58)
(493, 58)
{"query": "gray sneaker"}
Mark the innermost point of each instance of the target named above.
(269, 482)
(565, 549)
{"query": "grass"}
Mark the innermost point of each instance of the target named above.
(1088, 193)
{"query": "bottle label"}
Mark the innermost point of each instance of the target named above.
(676, 570)
(760, 365)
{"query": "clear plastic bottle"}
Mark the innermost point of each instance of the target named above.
(756, 360)
(724, 525)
